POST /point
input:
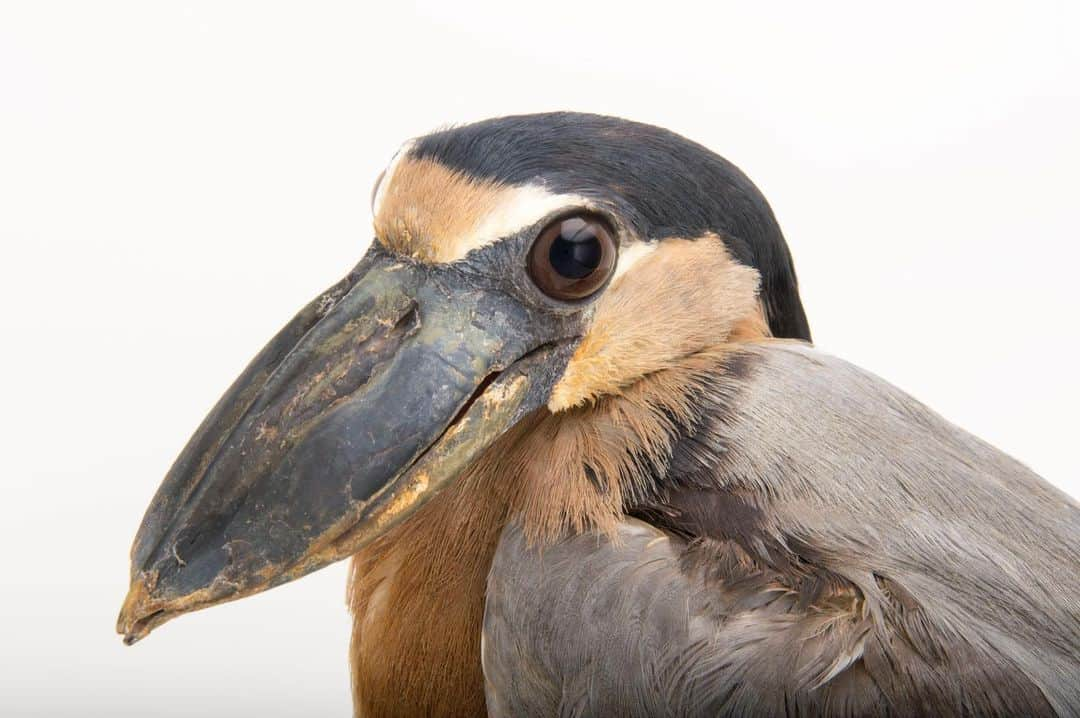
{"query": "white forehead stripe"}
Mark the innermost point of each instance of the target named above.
(516, 208)
(632, 253)
(435, 213)
(388, 176)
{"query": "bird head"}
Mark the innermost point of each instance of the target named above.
(521, 265)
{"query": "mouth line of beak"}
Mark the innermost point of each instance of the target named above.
(141, 628)
(488, 386)
(480, 390)
(339, 542)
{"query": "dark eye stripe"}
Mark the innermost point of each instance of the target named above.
(572, 257)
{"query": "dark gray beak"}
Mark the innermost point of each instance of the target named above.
(368, 402)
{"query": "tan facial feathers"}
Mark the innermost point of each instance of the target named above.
(432, 213)
(681, 298)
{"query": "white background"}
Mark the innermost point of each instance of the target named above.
(176, 179)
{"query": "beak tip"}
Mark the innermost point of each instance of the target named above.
(133, 623)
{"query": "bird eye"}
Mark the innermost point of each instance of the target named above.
(572, 257)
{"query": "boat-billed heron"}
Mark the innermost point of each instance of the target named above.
(566, 419)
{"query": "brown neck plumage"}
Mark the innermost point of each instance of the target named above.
(417, 593)
(417, 598)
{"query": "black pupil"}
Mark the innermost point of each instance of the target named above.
(576, 252)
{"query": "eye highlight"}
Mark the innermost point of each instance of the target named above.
(573, 257)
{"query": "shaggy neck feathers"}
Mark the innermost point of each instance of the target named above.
(417, 594)
(636, 386)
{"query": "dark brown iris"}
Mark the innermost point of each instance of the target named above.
(573, 257)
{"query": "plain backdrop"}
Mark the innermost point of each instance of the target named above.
(177, 178)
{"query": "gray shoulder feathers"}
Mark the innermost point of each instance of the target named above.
(822, 544)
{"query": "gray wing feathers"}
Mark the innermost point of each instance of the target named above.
(881, 489)
(594, 628)
(951, 584)
(587, 627)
